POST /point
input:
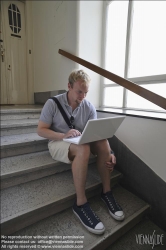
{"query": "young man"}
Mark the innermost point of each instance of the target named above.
(53, 127)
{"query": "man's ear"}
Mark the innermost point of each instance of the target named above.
(69, 86)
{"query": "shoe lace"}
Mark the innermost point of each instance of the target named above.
(89, 213)
(113, 203)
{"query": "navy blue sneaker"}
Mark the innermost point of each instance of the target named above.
(114, 208)
(88, 218)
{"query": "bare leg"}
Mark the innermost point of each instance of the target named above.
(79, 154)
(102, 150)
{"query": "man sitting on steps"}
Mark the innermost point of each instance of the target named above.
(53, 127)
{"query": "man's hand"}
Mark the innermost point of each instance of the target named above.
(72, 133)
(110, 164)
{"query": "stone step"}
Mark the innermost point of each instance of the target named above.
(22, 144)
(30, 202)
(17, 127)
(24, 168)
(20, 112)
(67, 226)
(136, 237)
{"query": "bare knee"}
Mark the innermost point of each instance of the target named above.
(81, 151)
(100, 146)
(101, 143)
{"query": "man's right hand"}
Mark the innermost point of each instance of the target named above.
(44, 130)
(72, 133)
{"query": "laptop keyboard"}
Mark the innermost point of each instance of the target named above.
(75, 138)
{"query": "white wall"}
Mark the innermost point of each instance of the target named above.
(146, 138)
(74, 26)
(54, 27)
(90, 37)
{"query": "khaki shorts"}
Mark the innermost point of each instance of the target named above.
(59, 150)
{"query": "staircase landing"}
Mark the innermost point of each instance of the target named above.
(21, 106)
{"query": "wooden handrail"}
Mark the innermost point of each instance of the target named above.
(148, 95)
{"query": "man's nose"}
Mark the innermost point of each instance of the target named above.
(83, 95)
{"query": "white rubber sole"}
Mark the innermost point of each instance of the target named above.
(95, 231)
(120, 218)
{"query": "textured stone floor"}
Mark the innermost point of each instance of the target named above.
(129, 240)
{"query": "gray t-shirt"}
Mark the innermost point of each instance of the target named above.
(51, 115)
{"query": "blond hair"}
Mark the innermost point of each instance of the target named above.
(79, 75)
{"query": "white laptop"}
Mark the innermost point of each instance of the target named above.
(98, 129)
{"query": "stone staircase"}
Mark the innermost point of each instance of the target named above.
(37, 193)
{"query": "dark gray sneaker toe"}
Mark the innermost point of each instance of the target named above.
(88, 218)
(114, 208)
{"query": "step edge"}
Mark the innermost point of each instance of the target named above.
(19, 144)
(18, 111)
(54, 202)
(18, 126)
(37, 168)
(36, 174)
(28, 170)
(111, 236)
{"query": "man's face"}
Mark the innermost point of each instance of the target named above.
(78, 92)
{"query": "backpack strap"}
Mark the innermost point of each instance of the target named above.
(70, 125)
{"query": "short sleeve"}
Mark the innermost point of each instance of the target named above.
(93, 113)
(48, 112)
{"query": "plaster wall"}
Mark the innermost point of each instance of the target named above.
(74, 26)
(146, 138)
(54, 27)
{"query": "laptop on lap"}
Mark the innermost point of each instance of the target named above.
(97, 129)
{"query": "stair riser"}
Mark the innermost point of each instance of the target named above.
(23, 149)
(18, 130)
(43, 212)
(19, 116)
